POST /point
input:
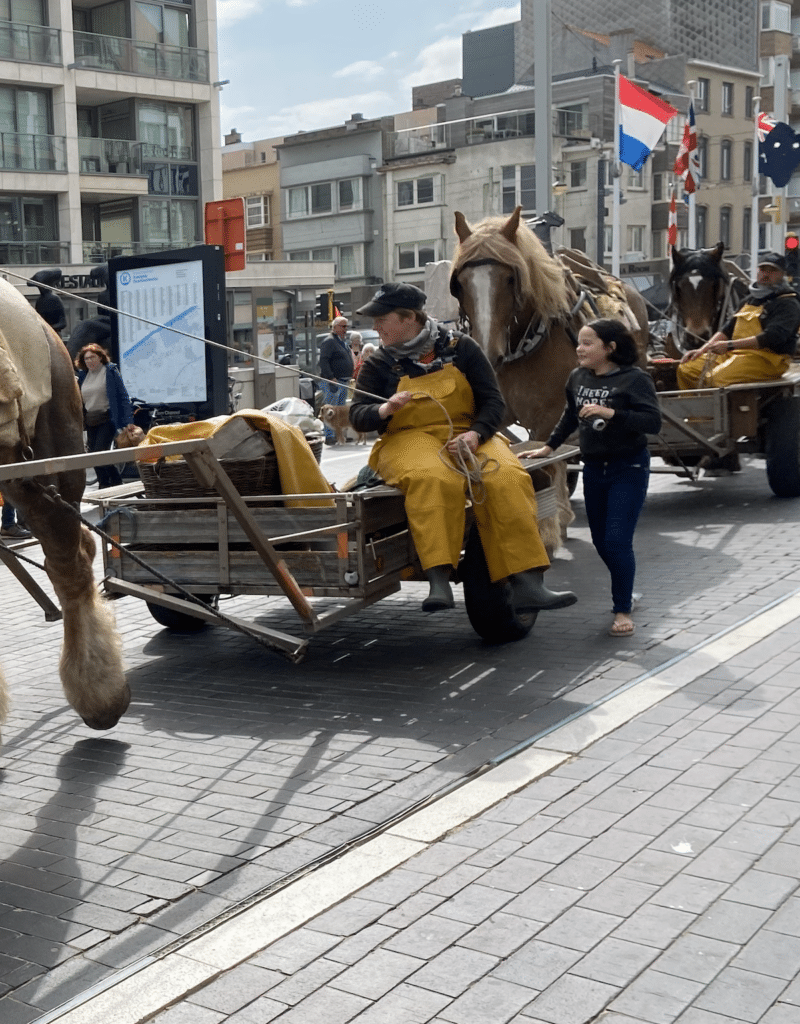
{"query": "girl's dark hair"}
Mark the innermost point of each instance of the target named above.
(625, 352)
(101, 352)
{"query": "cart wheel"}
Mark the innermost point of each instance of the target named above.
(782, 447)
(179, 622)
(489, 608)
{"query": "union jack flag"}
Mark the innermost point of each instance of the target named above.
(765, 125)
(686, 163)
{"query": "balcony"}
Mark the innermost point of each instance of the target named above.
(20, 151)
(131, 56)
(500, 126)
(35, 43)
(416, 141)
(100, 252)
(28, 254)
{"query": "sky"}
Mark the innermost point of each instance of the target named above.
(298, 65)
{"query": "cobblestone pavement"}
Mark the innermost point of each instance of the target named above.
(654, 878)
(233, 768)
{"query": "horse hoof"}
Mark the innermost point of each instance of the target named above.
(109, 717)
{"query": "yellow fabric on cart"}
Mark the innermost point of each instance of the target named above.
(298, 469)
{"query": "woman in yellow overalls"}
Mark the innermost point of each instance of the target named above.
(441, 397)
(757, 343)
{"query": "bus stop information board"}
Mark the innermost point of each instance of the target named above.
(161, 363)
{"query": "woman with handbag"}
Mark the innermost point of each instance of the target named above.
(107, 409)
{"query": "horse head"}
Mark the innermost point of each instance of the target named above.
(504, 281)
(698, 284)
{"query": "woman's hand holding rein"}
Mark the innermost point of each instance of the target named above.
(391, 406)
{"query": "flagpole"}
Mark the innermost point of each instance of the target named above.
(754, 208)
(616, 172)
(692, 237)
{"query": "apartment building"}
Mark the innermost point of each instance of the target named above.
(251, 170)
(109, 138)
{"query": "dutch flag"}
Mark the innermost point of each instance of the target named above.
(643, 118)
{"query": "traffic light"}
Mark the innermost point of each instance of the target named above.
(791, 252)
(322, 311)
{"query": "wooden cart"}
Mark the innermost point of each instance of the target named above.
(352, 549)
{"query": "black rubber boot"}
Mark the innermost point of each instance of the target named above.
(529, 594)
(440, 595)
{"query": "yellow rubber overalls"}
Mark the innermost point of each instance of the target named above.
(722, 369)
(407, 457)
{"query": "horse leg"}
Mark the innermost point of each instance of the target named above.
(91, 659)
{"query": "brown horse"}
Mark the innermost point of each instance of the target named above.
(525, 309)
(705, 291)
(41, 416)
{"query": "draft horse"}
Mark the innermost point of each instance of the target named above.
(705, 291)
(525, 308)
(41, 417)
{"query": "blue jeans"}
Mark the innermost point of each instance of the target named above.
(8, 515)
(614, 493)
(333, 394)
(99, 439)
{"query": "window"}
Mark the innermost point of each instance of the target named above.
(658, 241)
(310, 200)
(415, 192)
(701, 224)
(414, 255)
(257, 211)
(577, 239)
(749, 95)
(519, 187)
(169, 221)
(727, 99)
(658, 188)
(166, 131)
(702, 156)
(725, 226)
(577, 174)
(776, 16)
(747, 161)
(573, 119)
(635, 238)
(725, 160)
(635, 178)
(608, 238)
(351, 261)
(349, 194)
(27, 112)
(747, 226)
(703, 89)
(323, 255)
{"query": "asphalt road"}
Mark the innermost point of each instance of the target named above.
(234, 768)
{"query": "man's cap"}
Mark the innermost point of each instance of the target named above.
(339, 320)
(772, 259)
(393, 296)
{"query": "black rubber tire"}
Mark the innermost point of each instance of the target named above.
(178, 622)
(782, 447)
(489, 608)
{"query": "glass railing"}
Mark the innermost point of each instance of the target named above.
(118, 156)
(16, 254)
(22, 152)
(99, 252)
(500, 126)
(421, 140)
(35, 43)
(155, 60)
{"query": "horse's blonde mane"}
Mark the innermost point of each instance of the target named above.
(542, 284)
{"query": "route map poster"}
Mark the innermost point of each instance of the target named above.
(166, 362)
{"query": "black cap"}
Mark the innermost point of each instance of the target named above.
(772, 259)
(393, 296)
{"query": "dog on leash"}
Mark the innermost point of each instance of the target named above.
(337, 417)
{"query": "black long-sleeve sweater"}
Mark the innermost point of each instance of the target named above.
(630, 392)
(382, 371)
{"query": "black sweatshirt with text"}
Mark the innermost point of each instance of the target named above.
(627, 390)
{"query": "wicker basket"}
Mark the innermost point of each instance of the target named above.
(176, 480)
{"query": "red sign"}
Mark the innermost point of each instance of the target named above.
(225, 227)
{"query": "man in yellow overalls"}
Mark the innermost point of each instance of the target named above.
(431, 393)
(758, 341)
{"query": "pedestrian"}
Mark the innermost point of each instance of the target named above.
(49, 305)
(107, 408)
(336, 367)
(757, 342)
(613, 405)
(455, 414)
(10, 525)
(366, 352)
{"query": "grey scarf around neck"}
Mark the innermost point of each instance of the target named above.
(421, 344)
(759, 292)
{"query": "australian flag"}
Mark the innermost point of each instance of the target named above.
(778, 153)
